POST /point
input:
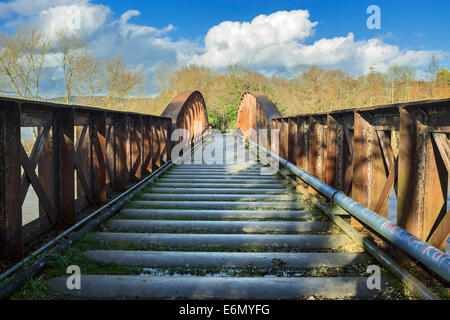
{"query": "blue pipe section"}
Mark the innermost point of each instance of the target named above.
(427, 254)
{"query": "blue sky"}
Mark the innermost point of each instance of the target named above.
(262, 35)
(415, 24)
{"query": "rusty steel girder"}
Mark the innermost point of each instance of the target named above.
(188, 111)
(255, 112)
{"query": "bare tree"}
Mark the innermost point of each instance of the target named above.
(432, 69)
(23, 62)
(70, 51)
(374, 86)
(163, 77)
(407, 75)
(120, 81)
(394, 75)
(89, 78)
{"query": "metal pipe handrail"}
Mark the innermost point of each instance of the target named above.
(427, 254)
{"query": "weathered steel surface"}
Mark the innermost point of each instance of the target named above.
(302, 142)
(120, 162)
(317, 143)
(98, 158)
(147, 146)
(369, 174)
(332, 151)
(275, 138)
(187, 111)
(290, 137)
(255, 112)
(10, 205)
(156, 144)
(422, 178)
(284, 136)
(136, 149)
(64, 168)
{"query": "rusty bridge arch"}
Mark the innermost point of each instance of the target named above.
(255, 112)
(188, 111)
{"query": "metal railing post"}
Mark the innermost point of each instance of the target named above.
(10, 205)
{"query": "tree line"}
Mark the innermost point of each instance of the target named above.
(27, 57)
(302, 90)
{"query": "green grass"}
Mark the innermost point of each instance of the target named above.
(200, 271)
(144, 198)
(132, 205)
(278, 268)
(124, 245)
(442, 292)
(127, 217)
(395, 288)
(36, 289)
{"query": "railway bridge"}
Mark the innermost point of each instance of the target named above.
(164, 207)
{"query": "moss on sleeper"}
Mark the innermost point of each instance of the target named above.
(36, 289)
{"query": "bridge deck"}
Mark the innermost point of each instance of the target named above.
(223, 231)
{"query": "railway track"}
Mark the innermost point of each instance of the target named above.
(221, 232)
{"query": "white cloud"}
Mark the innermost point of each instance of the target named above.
(128, 30)
(105, 35)
(255, 42)
(79, 16)
(30, 8)
(84, 19)
(140, 45)
(278, 40)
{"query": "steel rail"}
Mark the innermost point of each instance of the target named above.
(433, 258)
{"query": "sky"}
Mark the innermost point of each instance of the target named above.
(265, 36)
